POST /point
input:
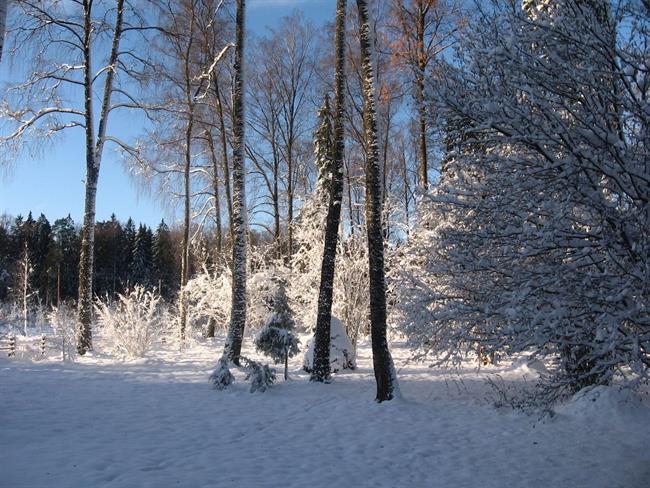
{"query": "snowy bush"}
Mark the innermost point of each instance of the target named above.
(221, 377)
(260, 376)
(536, 237)
(342, 354)
(63, 320)
(209, 297)
(132, 322)
(276, 339)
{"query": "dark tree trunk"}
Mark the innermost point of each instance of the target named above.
(381, 358)
(226, 163)
(217, 198)
(232, 349)
(422, 135)
(321, 366)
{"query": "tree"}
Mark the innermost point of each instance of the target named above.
(164, 261)
(24, 291)
(66, 40)
(277, 339)
(280, 89)
(321, 370)
(535, 236)
(66, 265)
(142, 265)
(382, 362)
(422, 30)
(232, 348)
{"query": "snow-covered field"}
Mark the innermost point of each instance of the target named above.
(158, 423)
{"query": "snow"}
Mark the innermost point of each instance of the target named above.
(341, 350)
(157, 422)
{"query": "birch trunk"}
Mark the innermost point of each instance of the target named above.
(232, 349)
(92, 174)
(185, 246)
(381, 358)
(93, 160)
(321, 369)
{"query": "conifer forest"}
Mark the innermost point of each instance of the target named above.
(400, 243)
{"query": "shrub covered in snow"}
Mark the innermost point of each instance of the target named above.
(277, 339)
(131, 323)
(342, 354)
(221, 377)
(260, 376)
(63, 320)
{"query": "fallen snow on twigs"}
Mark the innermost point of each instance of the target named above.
(160, 423)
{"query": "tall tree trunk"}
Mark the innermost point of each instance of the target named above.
(419, 81)
(381, 358)
(3, 19)
(321, 366)
(185, 245)
(226, 163)
(92, 175)
(290, 195)
(94, 153)
(232, 349)
(217, 196)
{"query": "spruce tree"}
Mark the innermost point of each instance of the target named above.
(164, 262)
(277, 339)
(142, 265)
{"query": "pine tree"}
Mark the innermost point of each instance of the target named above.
(277, 339)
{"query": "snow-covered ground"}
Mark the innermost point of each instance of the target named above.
(158, 423)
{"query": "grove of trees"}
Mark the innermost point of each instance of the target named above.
(472, 175)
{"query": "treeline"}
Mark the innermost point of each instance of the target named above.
(125, 255)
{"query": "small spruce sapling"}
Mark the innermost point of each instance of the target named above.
(277, 339)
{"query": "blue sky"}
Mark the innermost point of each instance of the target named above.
(53, 182)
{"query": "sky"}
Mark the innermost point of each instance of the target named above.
(53, 182)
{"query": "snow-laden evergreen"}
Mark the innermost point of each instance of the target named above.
(277, 337)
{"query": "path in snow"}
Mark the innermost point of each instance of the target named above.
(158, 424)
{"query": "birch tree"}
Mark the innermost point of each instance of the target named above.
(77, 55)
